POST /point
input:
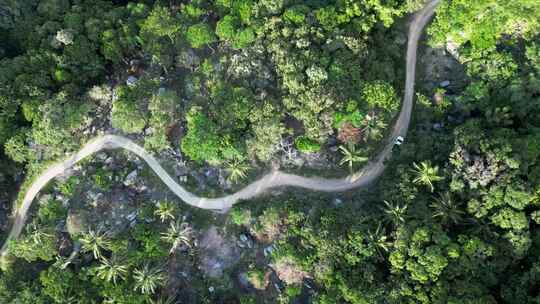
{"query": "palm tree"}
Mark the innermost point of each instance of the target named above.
(148, 279)
(446, 209)
(426, 174)
(111, 270)
(237, 170)
(379, 240)
(95, 242)
(178, 234)
(351, 156)
(374, 127)
(165, 210)
(168, 300)
(39, 235)
(395, 213)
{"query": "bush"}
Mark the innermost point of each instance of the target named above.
(241, 217)
(226, 27)
(256, 278)
(244, 38)
(16, 148)
(201, 142)
(127, 117)
(199, 35)
(296, 14)
(306, 145)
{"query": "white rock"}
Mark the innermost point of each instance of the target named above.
(131, 177)
(131, 81)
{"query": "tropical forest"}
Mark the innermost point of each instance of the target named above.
(269, 151)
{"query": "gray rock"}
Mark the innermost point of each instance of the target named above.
(268, 250)
(131, 177)
(445, 83)
(131, 81)
(243, 280)
(131, 217)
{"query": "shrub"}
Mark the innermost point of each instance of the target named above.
(244, 38)
(256, 278)
(226, 27)
(307, 145)
(199, 35)
(241, 217)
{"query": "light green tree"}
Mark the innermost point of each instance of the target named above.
(161, 23)
(199, 35)
(111, 270)
(95, 242)
(426, 174)
(148, 279)
(351, 156)
(237, 170)
(446, 209)
(165, 210)
(179, 233)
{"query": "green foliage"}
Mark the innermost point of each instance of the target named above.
(237, 170)
(296, 14)
(240, 217)
(381, 95)
(165, 210)
(16, 149)
(482, 23)
(111, 270)
(61, 285)
(426, 174)
(226, 27)
(244, 38)
(160, 23)
(202, 142)
(95, 242)
(38, 244)
(200, 35)
(148, 279)
(352, 156)
(306, 145)
(127, 116)
(351, 115)
(163, 113)
(178, 234)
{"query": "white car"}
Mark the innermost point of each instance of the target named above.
(399, 141)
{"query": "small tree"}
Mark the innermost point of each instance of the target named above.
(351, 156)
(161, 23)
(395, 213)
(199, 35)
(148, 279)
(446, 209)
(111, 270)
(95, 242)
(237, 170)
(426, 174)
(165, 210)
(178, 234)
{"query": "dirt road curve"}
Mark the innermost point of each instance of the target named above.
(273, 179)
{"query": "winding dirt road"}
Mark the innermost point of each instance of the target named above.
(273, 179)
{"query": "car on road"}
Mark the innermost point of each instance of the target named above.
(398, 141)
